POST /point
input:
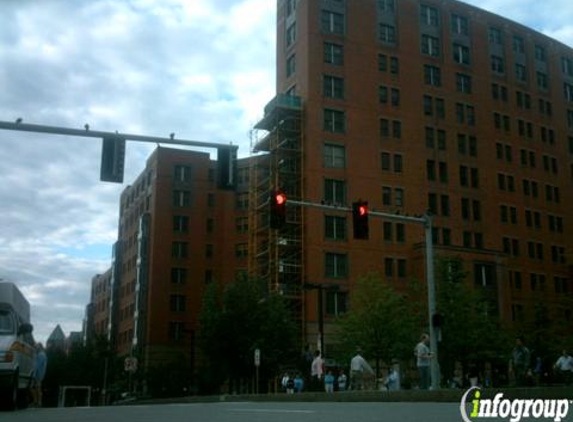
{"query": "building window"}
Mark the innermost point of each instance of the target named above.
(334, 156)
(399, 194)
(182, 173)
(178, 275)
(333, 54)
(333, 87)
(336, 265)
(241, 250)
(430, 46)
(398, 163)
(334, 191)
(388, 267)
(291, 35)
(180, 224)
(177, 303)
(242, 225)
(429, 15)
(518, 44)
(568, 91)
(497, 64)
(387, 231)
(336, 303)
(461, 54)
(386, 195)
(460, 25)
(542, 81)
(334, 121)
(495, 36)
(387, 33)
(181, 198)
(334, 227)
(179, 249)
(208, 250)
(290, 66)
(520, 73)
(243, 201)
(332, 22)
(176, 330)
(432, 75)
(464, 83)
(386, 6)
(540, 53)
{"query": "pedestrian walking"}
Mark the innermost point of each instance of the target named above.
(520, 357)
(423, 357)
(564, 367)
(357, 367)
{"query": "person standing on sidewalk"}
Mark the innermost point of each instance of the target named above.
(316, 372)
(357, 367)
(39, 374)
(564, 367)
(423, 356)
(520, 359)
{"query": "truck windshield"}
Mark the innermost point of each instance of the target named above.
(6, 323)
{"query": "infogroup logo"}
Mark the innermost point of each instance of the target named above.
(515, 409)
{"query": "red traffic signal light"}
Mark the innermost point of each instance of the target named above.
(280, 198)
(360, 219)
(277, 210)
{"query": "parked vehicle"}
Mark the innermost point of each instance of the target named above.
(17, 346)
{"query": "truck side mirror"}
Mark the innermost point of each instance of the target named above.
(25, 329)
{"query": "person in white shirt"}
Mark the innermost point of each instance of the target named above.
(316, 371)
(357, 367)
(564, 367)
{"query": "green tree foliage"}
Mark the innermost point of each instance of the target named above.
(471, 331)
(233, 324)
(382, 321)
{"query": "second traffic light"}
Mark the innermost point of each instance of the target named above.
(277, 210)
(360, 219)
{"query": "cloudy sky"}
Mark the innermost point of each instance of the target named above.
(203, 69)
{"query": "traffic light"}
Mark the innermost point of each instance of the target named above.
(437, 320)
(226, 164)
(112, 159)
(278, 201)
(360, 219)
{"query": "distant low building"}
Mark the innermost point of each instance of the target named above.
(57, 339)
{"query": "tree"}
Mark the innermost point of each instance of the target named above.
(234, 324)
(382, 321)
(471, 331)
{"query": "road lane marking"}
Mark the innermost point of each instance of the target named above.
(271, 410)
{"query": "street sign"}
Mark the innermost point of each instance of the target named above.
(130, 364)
(257, 357)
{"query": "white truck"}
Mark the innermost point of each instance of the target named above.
(17, 347)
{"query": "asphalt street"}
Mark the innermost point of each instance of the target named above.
(252, 412)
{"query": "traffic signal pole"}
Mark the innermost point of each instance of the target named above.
(113, 153)
(426, 222)
(88, 133)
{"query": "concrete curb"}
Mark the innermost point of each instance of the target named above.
(415, 396)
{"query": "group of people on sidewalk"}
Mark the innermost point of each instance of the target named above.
(325, 380)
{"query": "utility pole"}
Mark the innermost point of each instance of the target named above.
(426, 222)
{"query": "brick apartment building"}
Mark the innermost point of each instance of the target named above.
(177, 232)
(413, 106)
(410, 105)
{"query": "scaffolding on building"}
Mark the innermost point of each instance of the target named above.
(276, 256)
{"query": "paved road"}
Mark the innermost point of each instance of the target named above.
(252, 412)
